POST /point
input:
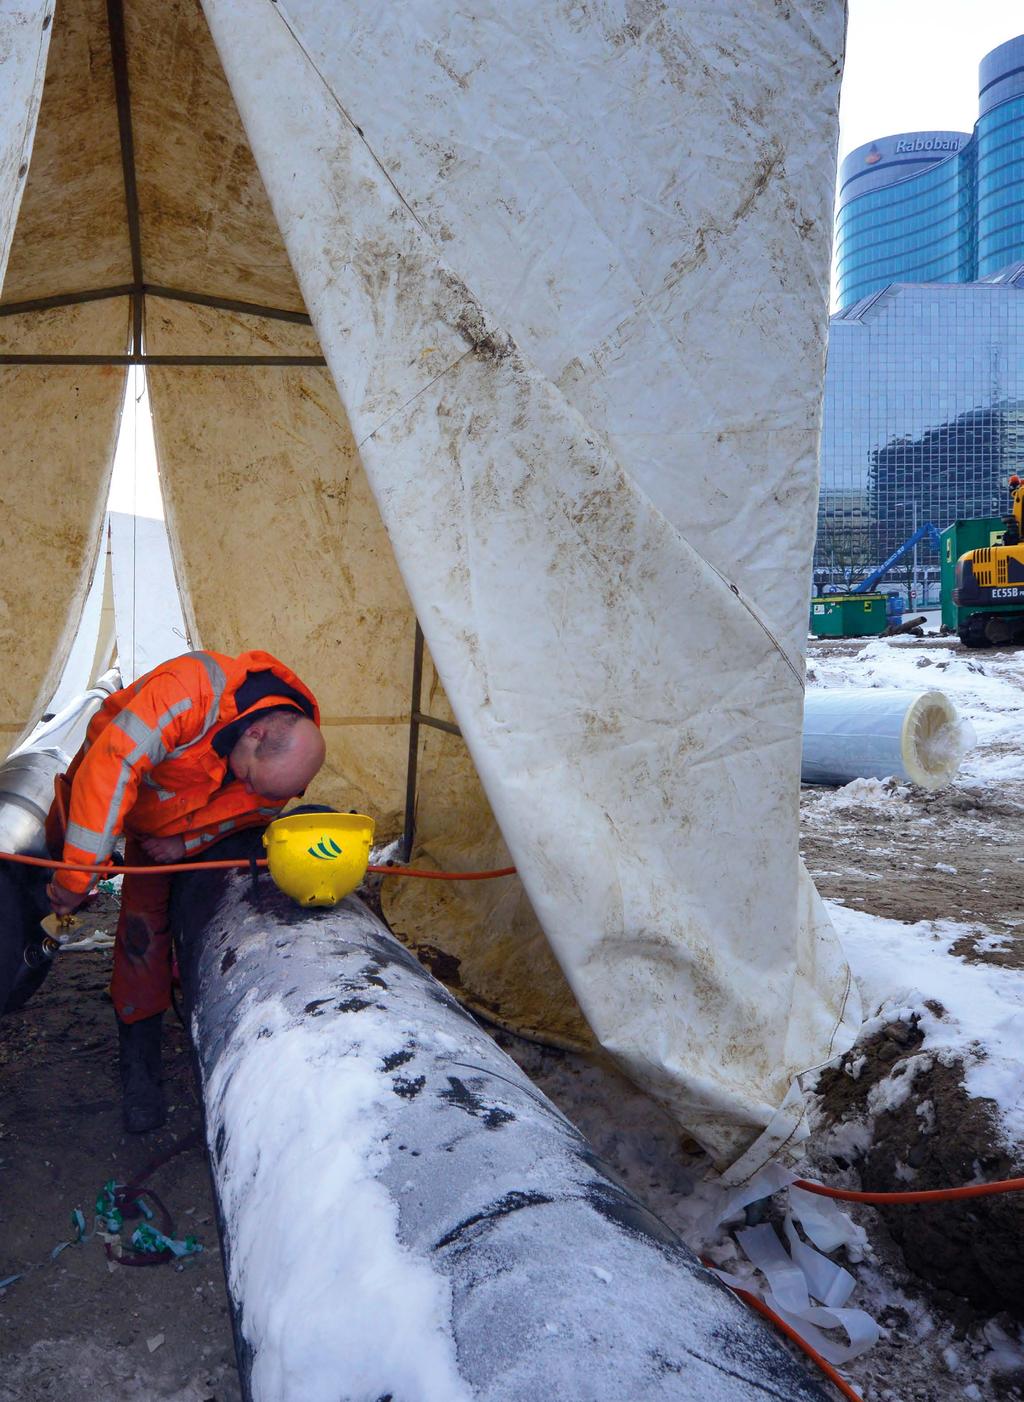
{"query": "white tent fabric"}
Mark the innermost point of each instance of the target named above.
(93, 650)
(25, 27)
(134, 581)
(150, 626)
(632, 704)
(569, 271)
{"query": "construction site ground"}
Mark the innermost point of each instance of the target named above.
(78, 1328)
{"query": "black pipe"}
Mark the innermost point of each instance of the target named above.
(320, 1041)
(24, 962)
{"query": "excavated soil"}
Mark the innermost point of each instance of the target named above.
(76, 1328)
(938, 1137)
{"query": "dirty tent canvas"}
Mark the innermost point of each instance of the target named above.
(567, 419)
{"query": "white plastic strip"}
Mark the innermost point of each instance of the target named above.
(765, 1183)
(803, 1287)
(789, 1295)
(861, 1330)
(763, 1249)
(827, 1225)
(827, 1281)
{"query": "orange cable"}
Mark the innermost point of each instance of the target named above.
(239, 864)
(790, 1333)
(157, 869)
(973, 1190)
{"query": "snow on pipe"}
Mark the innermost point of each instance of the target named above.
(404, 1214)
(874, 734)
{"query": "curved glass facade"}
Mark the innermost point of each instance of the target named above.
(938, 206)
(919, 228)
(999, 137)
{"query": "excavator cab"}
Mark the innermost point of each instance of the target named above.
(989, 583)
(1014, 526)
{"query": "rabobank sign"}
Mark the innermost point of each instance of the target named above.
(908, 144)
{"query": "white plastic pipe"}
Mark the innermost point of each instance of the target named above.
(404, 1214)
(874, 734)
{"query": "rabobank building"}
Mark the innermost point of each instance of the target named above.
(906, 213)
(938, 206)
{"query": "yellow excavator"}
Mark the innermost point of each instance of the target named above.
(989, 587)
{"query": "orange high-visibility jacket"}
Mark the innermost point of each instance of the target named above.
(149, 764)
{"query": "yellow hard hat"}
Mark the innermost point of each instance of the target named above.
(317, 858)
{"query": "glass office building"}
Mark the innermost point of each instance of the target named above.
(999, 139)
(923, 418)
(938, 206)
(924, 389)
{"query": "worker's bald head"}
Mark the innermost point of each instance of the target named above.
(279, 754)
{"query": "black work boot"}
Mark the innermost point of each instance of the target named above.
(143, 1100)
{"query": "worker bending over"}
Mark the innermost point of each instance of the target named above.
(200, 746)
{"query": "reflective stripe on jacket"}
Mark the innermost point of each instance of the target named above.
(148, 764)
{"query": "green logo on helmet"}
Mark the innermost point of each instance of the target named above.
(326, 850)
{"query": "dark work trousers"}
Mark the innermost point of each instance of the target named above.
(140, 984)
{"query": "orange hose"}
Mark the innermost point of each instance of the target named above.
(790, 1333)
(973, 1190)
(240, 864)
(157, 869)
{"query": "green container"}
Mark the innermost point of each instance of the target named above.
(848, 615)
(957, 539)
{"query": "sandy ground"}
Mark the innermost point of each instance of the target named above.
(77, 1328)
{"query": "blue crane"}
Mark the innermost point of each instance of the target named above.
(929, 531)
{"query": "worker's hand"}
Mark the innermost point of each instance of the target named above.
(62, 901)
(164, 849)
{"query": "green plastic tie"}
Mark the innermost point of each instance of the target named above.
(106, 1207)
(147, 1238)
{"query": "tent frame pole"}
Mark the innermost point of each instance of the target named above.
(409, 830)
(418, 717)
(17, 359)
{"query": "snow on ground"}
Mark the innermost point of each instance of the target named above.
(896, 960)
